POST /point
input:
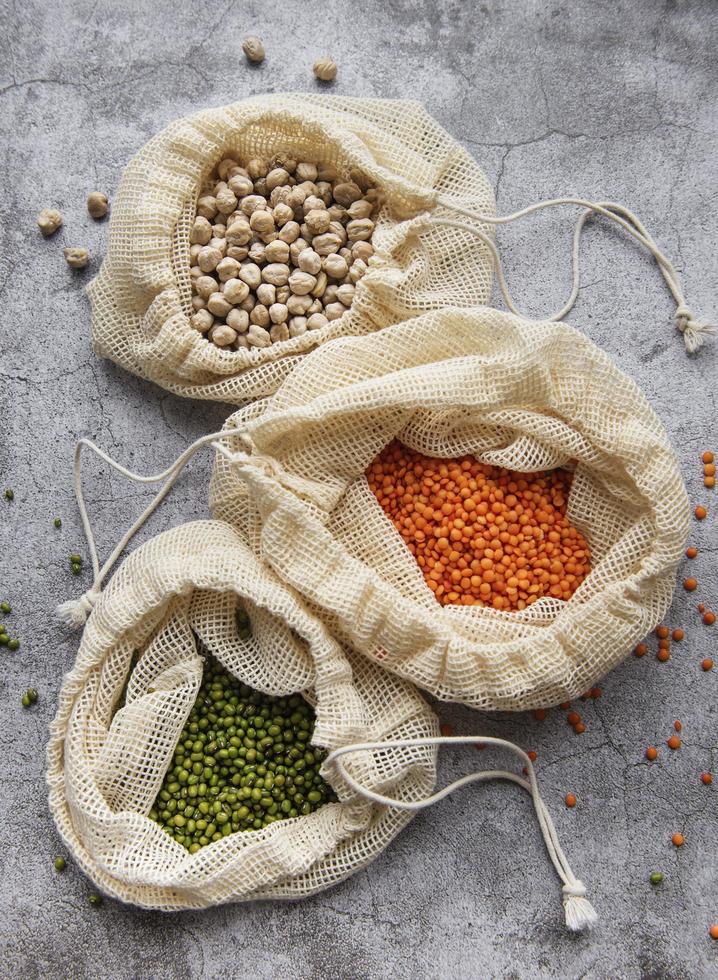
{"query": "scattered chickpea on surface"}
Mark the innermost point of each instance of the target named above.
(76, 258)
(98, 204)
(325, 69)
(253, 49)
(48, 221)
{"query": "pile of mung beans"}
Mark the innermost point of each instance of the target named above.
(277, 248)
(243, 761)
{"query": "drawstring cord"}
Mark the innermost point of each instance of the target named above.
(694, 331)
(74, 612)
(579, 912)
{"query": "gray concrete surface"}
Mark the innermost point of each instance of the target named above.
(607, 100)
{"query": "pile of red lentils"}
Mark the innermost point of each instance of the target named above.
(482, 535)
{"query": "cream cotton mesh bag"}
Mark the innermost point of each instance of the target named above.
(124, 703)
(141, 299)
(171, 599)
(525, 395)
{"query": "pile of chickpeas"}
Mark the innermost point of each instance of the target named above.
(277, 248)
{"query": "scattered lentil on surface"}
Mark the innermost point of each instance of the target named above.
(60, 864)
(673, 742)
(570, 800)
(656, 877)
(678, 840)
(482, 535)
(701, 513)
(651, 753)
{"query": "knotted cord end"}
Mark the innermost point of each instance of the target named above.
(74, 612)
(580, 914)
(694, 332)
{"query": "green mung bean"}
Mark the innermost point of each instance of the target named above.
(242, 762)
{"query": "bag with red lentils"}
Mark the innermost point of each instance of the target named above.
(483, 504)
(204, 288)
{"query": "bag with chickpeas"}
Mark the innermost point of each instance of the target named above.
(482, 504)
(243, 237)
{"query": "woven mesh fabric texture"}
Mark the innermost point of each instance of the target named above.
(117, 726)
(141, 297)
(521, 394)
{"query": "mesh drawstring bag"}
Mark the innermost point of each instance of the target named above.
(172, 598)
(525, 395)
(141, 297)
(124, 703)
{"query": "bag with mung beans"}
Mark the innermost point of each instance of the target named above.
(497, 393)
(172, 604)
(243, 237)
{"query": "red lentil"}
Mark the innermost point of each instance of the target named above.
(678, 725)
(580, 728)
(709, 469)
(539, 714)
(641, 650)
(709, 481)
(651, 753)
(565, 705)
(447, 730)
(573, 718)
(691, 552)
(533, 756)
(700, 512)
(663, 655)
(713, 932)
(482, 535)
(707, 456)
(662, 632)
(570, 800)
(678, 840)
(674, 742)
(678, 635)
(709, 618)
(707, 664)
(690, 584)
(706, 778)
(700, 607)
